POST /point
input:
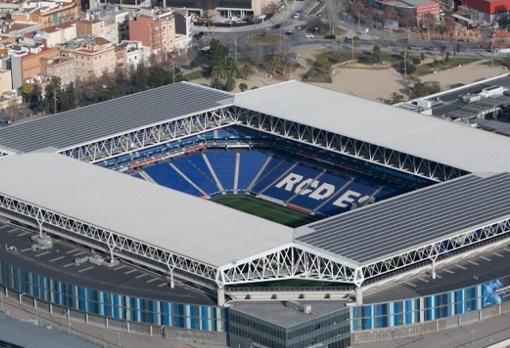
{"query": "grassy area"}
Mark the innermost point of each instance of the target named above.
(267, 38)
(320, 71)
(266, 210)
(442, 64)
(193, 75)
(318, 7)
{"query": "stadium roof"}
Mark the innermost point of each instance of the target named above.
(412, 220)
(394, 128)
(115, 116)
(169, 219)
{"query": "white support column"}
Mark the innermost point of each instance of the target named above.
(40, 224)
(359, 278)
(359, 295)
(221, 296)
(433, 268)
(171, 274)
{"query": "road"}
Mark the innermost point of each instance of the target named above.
(388, 41)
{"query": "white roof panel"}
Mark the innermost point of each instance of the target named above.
(427, 137)
(190, 226)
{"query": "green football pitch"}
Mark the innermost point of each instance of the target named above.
(266, 210)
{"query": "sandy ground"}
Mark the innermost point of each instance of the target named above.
(378, 84)
(365, 83)
(465, 74)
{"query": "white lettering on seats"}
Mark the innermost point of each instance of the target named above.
(346, 198)
(289, 181)
(304, 186)
(324, 191)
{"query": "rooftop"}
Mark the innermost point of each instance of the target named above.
(101, 120)
(466, 272)
(427, 137)
(282, 314)
(169, 219)
(58, 263)
(411, 220)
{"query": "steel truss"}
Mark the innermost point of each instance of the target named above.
(151, 135)
(346, 146)
(291, 261)
(119, 245)
(436, 249)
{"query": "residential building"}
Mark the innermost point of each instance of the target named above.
(47, 13)
(10, 99)
(485, 10)
(15, 29)
(129, 54)
(26, 65)
(154, 29)
(61, 67)
(97, 27)
(223, 9)
(52, 36)
(124, 4)
(183, 28)
(93, 55)
(5, 81)
(419, 7)
(112, 13)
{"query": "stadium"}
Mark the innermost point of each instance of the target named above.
(252, 219)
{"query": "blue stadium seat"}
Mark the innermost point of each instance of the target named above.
(137, 175)
(165, 175)
(195, 169)
(276, 168)
(250, 164)
(304, 170)
(358, 184)
(224, 165)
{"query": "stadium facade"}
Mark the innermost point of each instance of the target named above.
(389, 190)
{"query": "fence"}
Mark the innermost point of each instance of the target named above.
(430, 326)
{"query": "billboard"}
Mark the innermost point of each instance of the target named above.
(495, 292)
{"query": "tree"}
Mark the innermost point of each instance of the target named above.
(419, 89)
(68, 98)
(331, 12)
(243, 86)
(52, 96)
(356, 7)
(396, 98)
(429, 21)
(31, 94)
(449, 27)
(275, 64)
(377, 55)
(139, 79)
(244, 70)
(390, 13)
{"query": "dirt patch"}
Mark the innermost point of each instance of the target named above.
(464, 74)
(368, 83)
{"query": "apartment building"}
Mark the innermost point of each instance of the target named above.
(47, 13)
(26, 64)
(154, 29)
(98, 27)
(61, 67)
(93, 56)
